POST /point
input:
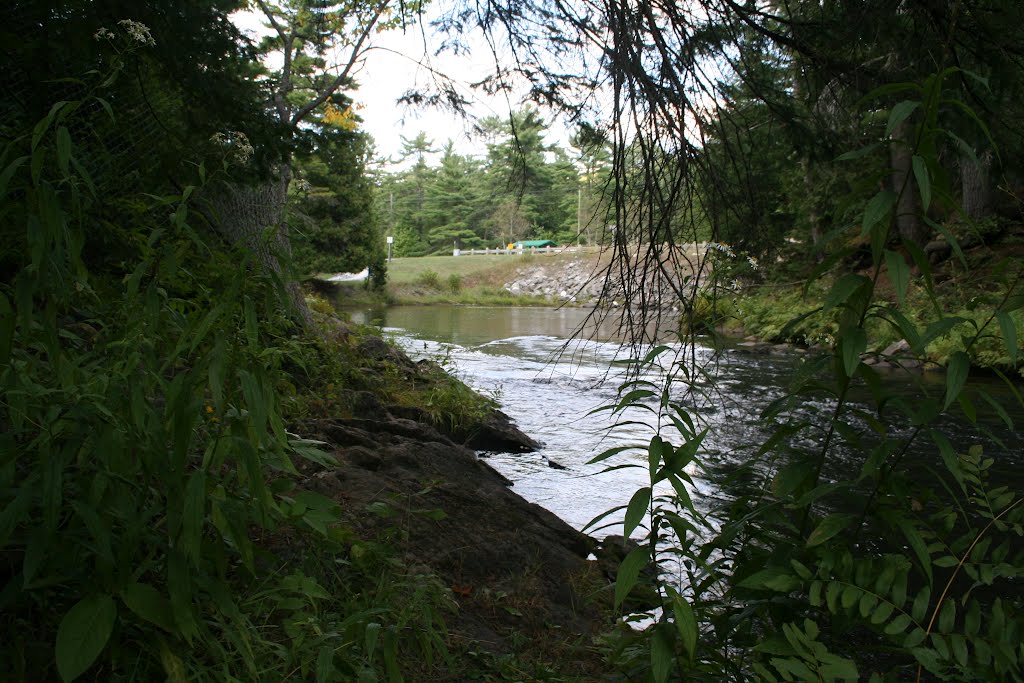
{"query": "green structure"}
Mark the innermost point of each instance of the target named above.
(534, 244)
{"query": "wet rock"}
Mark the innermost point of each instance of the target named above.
(897, 348)
(463, 524)
(497, 433)
(752, 348)
(938, 250)
(377, 349)
(360, 456)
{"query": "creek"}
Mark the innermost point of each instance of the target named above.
(549, 379)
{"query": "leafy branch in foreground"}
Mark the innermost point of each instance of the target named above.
(904, 568)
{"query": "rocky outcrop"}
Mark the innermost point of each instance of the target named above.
(517, 572)
(511, 564)
(582, 279)
(576, 280)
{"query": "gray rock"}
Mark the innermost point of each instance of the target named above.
(897, 348)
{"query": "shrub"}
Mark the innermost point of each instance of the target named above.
(429, 278)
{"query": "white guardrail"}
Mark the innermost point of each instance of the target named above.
(694, 249)
(521, 251)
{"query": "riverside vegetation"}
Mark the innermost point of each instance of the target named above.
(204, 477)
(199, 483)
(903, 570)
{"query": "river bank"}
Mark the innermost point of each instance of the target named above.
(753, 309)
(511, 583)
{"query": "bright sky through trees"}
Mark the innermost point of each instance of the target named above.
(403, 60)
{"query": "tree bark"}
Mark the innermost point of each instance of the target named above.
(244, 214)
(909, 225)
(975, 190)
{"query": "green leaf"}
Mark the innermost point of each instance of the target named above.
(950, 237)
(924, 183)
(935, 330)
(881, 613)
(998, 408)
(840, 669)
(914, 638)
(63, 149)
(899, 274)
(686, 622)
(918, 545)
(370, 638)
(8, 173)
(629, 572)
(956, 376)
(829, 527)
(771, 579)
(898, 625)
(636, 510)
(962, 106)
(890, 89)
(173, 666)
(877, 209)
(852, 344)
(251, 327)
(801, 569)
(920, 604)
(947, 616)
(906, 328)
(662, 655)
(82, 635)
(612, 452)
(843, 289)
(899, 113)
(325, 664)
(634, 398)
(148, 603)
(193, 513)
(1009, 330)
(858, 153)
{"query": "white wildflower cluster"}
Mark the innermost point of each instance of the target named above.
(137, 31)
(753, 262)
(302, 185)
(236, 144)
(103, 34)
(724, 248)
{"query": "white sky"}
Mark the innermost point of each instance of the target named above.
(392, 66)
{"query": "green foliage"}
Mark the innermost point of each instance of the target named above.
(429, 278)
(525, 189)
(454, 283)
(332, 225)
(902, 569)
(145, 460)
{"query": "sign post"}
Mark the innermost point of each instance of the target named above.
(391, 241)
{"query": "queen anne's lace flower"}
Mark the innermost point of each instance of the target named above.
(137, 31)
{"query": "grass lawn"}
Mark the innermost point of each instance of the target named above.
(407, 270)
(453, 280)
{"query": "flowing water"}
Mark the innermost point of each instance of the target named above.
(549, 381)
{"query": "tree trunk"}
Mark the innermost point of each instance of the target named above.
(909, 225)
(976, 196)
(252, 215)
